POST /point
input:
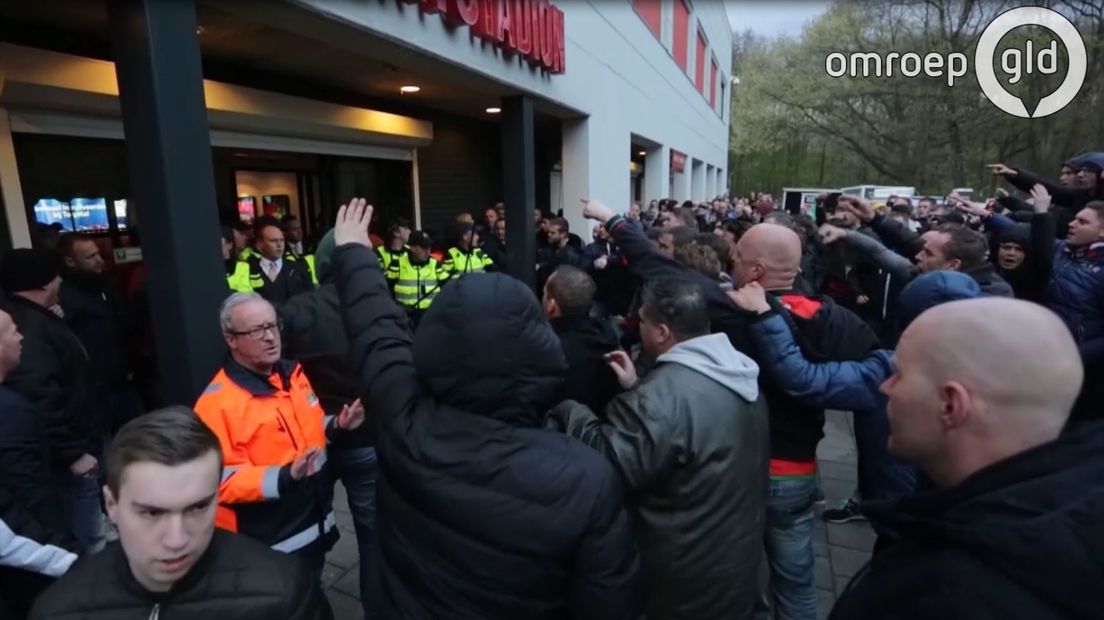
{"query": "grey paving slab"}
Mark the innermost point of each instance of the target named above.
(331, 573)
(825, 600)
(855, 535)
(349, 583)
(345, 553)
(824, 577)
(345, 607)
(846, 562)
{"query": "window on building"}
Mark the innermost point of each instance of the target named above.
(680, 38)
(651, 11)
(699, 68)
(713, 83)
(723, 102)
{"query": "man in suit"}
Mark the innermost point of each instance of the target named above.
(273, 274)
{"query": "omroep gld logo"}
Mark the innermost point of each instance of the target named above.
(1015, 62)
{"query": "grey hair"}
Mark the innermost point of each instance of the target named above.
(226, 310)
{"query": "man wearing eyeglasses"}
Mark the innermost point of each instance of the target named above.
(275, 485)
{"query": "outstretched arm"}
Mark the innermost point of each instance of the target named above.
(380, 343)
(851, 386)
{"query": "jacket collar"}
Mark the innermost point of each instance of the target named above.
(255, 384)
(178, 589)
(1092, 253)
(26, 303)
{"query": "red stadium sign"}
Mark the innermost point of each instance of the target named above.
(533, 29)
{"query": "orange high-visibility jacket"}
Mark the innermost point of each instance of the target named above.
(263, 424)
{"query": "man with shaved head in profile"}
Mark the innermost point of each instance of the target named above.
(1016, 528)
(770, 255)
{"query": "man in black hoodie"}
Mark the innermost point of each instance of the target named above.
(1014, 529)
(482, 512)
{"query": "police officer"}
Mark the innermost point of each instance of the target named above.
(237, 271)
(396, 245)
(296, 248)
(418, 276)
(467, 256)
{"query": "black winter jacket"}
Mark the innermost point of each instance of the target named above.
(28, 504)
(237, 578)
(314, 334)
(585, 342)
(54, 375)
(482, 513)
(96, 314)
(27, 500)
(1019, 540)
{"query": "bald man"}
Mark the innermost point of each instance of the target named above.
(1016, 530)
(771, 256)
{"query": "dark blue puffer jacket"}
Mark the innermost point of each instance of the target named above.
(1076, 293)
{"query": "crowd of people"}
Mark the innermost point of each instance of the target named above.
(636, 437)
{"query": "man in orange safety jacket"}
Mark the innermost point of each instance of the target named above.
(275, 485)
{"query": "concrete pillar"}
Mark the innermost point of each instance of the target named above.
(681, 186)
(595, 165)
(157, 65)
(697, 180)
(657, 174)
(519, 187)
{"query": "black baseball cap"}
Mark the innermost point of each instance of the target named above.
(420, 239)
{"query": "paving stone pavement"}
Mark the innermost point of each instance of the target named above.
(841, 549)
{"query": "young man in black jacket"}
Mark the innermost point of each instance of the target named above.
(1014, 529)
(55, 376)
(483, 513)
(163, 472)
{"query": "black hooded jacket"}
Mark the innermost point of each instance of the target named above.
(482, 513)
(1023, 539)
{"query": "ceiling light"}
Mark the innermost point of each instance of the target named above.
(494, 110)
(642, 153)
(408, 90)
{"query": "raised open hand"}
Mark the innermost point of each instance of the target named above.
(352, 223)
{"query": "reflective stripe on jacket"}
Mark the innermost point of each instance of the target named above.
(458, 262)
(417, 285)
(263, 425)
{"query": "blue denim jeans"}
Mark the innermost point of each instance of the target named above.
(80, 501)
(356, 467)
(789, 544)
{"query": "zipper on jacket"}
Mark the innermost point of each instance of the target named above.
(290, 432)
(155, 613)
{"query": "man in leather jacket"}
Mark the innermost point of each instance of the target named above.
(691, 443)
(163, 472)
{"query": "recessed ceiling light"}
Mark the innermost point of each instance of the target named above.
(200, 30)
(494, 110)
(642, 153)
(408, 90)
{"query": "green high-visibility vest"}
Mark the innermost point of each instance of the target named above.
(417, 285)
(239, 280)
(460, 262)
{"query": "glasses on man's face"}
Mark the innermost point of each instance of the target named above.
(259, 332)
